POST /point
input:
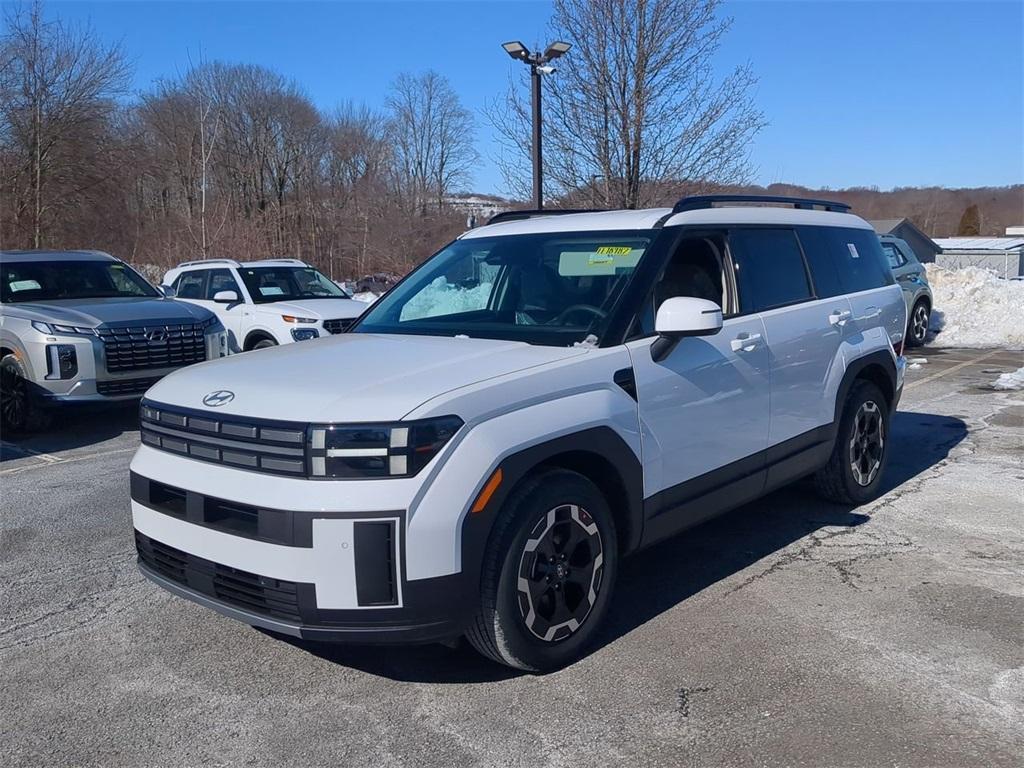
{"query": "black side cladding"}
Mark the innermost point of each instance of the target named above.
(376, 574)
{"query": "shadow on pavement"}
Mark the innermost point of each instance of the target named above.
(76, 427)
(674, 570)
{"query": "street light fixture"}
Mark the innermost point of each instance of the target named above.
(538, 63)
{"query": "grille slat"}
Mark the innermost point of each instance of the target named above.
(248, 591)
(276, 448)
(126, 386)
(339, 325)
(137, 348)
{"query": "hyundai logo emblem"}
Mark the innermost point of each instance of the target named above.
(220, 397)
(158, 334)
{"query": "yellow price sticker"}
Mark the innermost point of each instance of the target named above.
(614, 250)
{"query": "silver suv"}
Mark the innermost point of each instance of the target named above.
(84, 327)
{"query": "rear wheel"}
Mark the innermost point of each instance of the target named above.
(548, 574)
(854, 471)
(19, 412)
(917, 327)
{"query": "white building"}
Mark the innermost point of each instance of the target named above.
(1003, 255)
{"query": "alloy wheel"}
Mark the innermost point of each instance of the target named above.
(919, 322)
(560, 573)
(13, 399)
(867, 443)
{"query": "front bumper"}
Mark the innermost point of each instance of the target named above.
(313, 574)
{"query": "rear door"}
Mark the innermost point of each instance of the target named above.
(804, 331)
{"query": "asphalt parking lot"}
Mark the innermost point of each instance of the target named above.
(790, 632)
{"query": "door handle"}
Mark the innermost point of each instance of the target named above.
(746, 342)
(870, 313)
(840, 317)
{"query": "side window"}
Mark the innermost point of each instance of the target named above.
(769, 268)
(220, 280)
(892, 253)
(824, 271)
(189, 285)
(860, 259)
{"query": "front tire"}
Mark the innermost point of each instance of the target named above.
(264, 344)
(917, 325)
(854, 471)
(19, 413)
(548, 573)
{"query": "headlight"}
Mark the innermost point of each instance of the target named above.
(209, 322)
(294, 319)
(400, 449)
(305, 334)
(53, 328)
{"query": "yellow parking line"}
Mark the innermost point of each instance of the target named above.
(953, 369)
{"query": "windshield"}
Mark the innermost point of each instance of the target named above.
(267, 284)
(53, 280)
(553, 288)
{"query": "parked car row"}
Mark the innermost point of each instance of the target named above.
(82, 327)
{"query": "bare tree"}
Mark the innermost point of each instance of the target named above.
(433, 136)
(634, 104)
(57, 96)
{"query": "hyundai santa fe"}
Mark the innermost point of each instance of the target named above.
(544, 396)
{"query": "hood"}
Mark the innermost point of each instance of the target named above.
(323, 309)
(89, 313)
(350, 377)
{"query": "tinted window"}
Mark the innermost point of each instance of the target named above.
(769, 268)
(859, 258)
(189, 285)
(221, 280)
(824, 271)
(52, 280)
(892, 253)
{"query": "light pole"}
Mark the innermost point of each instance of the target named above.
(539, 65)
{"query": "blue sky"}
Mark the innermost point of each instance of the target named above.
(890, 93)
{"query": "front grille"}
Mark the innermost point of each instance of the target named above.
(272, 447)
(139, 347)
(241, 589)
(126, 386)
(339, 325)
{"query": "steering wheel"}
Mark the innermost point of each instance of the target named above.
(559, 318)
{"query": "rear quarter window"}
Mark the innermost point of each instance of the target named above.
(859, 258)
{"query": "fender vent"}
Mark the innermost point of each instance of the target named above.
(624, 378)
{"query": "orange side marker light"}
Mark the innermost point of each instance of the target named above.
(487, 492)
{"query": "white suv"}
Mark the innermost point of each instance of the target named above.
(539, 399)
(265, 303)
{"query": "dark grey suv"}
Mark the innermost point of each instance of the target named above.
(84, 327)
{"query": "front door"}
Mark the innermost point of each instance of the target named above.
(703, 408)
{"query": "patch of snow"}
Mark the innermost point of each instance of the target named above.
(974, 308)
(1010, 381)
(439, 297)
(367, 297)
(589, 342)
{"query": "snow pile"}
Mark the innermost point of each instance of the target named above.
(367, 297)
(443, 298)
(918, 362)
(974, 308)
(1010, 381)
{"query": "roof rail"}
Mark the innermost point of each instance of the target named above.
(532, 213)
(232, 262)
(709, 201)
(288, 261)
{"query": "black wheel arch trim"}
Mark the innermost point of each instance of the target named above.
(880, 359)
(601, 442)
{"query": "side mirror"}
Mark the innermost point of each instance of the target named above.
(680, 317)
(225, 297)
(167, 291)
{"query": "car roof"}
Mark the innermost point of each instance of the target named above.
(652, 218)
(56, 256)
